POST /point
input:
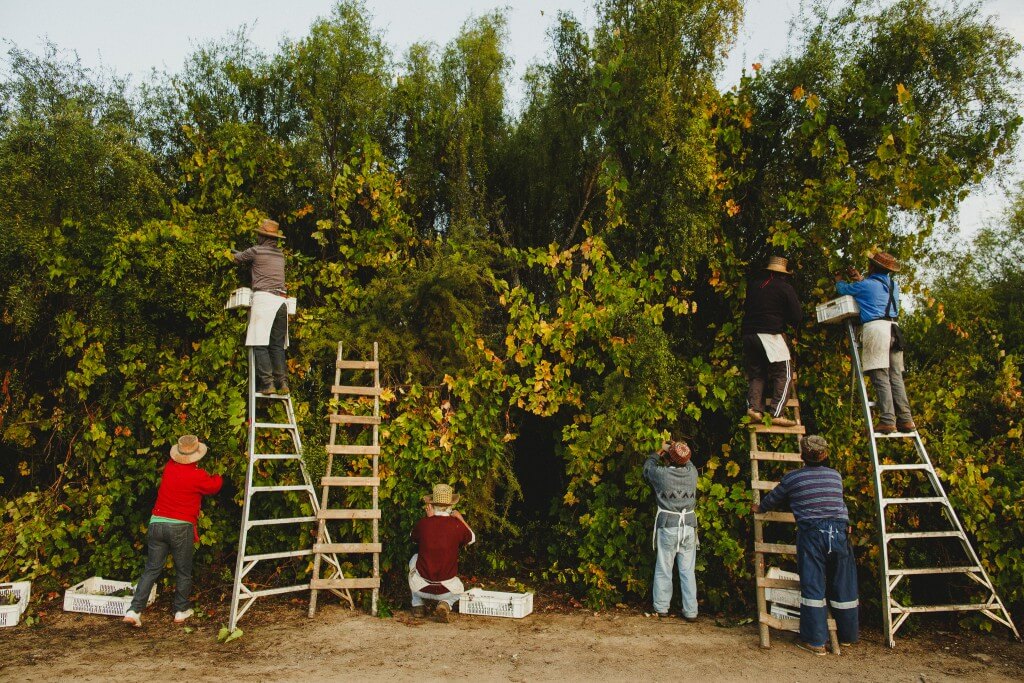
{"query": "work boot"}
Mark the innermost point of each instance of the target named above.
(690, 620)
(883, 428)
(908, 426)
(419, 611)
(265, 389)
(813, 649)
(783, 422)
(283, 390)
(444, 613)
(754, 415)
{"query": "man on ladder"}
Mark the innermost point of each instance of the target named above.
(268, 317)
(881, 340)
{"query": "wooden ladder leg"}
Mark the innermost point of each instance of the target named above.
(759, 570)
(376, 473)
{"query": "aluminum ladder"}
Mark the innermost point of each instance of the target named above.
(242, 596)
(763, 551)
(324, 548)
(894, 614)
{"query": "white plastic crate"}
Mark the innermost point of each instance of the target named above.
(92, 596)
(837, 310)
(10, 615)
(240, 298)
(293, 305)
(495, 604)
(782, 596)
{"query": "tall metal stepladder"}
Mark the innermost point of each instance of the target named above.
(764, 550)
(323, 546)
(242, 596)
(894, 613)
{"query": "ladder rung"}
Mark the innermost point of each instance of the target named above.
(355, 391)
(775, 517)
(896, 435)
(357, 365)
(282, 520)
(791, 403)
(275, 397)
(924, 534)
(275, 425)
(348, 514)
(765, 429)
(911, 501)
(354, 450)
(763, 485)
(275, 489)
(788, 623)
(776, 548)
(934, 570)
(776, 456)
(354, 419)
(899, 609)
(278, 556)
(328, 584)
(892, 468)
(350, 481)
(765, 582)
(347, 547)
(276, 456)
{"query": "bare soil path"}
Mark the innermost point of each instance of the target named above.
(281, 644)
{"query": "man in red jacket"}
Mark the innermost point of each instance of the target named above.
(434, 570)
(172, 527)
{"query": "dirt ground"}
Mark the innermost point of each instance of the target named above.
(281, 644)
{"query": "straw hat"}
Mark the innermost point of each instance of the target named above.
(779, 265)
(270, 228)
(443, 494)
(886, 261)
(679, 453)
(813, 448)
(188, 450)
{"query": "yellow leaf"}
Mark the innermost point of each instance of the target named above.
(798, 92)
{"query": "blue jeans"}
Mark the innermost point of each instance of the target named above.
(176, 540)
(670, 551)
(419, 596)
(828, 575)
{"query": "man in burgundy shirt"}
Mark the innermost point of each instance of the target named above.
(434, 569)
(172, 527)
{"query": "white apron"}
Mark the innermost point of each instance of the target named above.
(684, 529)
(875, 344)
(418, 583)
(261, 318)
(775, 347)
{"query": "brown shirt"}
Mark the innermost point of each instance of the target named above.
(267, 267)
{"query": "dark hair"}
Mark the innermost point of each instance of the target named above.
(265, 239)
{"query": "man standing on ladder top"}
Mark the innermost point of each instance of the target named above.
(878, 297)
(771, 307)
(824, 556)
(268, 317)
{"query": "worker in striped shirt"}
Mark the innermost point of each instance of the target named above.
(824, 556)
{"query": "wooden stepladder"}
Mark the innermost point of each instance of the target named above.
(765, 550)
(346, 398)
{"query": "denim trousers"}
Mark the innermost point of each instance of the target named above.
(828, 576)
(271, 365)
(163, 539)
(682, 554)
(418, 597)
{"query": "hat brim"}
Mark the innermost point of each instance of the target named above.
(893, 268)
(429, 499)
(189, 458)
(778, 269)
(270, 234)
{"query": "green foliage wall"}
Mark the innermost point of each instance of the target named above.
(582, 262)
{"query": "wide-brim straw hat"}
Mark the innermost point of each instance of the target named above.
(188, 450)
(887, 261)
(270, 228)
(443, 494)
(777, 264)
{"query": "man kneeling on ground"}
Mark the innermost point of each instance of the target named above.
(824, 555)
(434, 569)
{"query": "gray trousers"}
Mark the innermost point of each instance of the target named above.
(891, 394)
(163, 539)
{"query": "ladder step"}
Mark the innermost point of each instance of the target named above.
(912, 609)
(911, 501)
(791, 403)
(911, 571)
(282, 520)
(350, 481)
(357, 365)
(276, 489)
(347, 547)
(896, 435)
(278, 556)
(277, 456)
(354, 450)
(893, 468)
(924, 534)
(765, 582)
(274, 397)
(763, 485)
(775, 517)
(776, 456)
(354, 419)
(328, 584)
(775, 548)
(355, 391)
(787, 623)
(765, 429)
(275, 425)
(348, 514)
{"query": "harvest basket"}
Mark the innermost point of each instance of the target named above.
(93, 596)
(240, 298)
(788, 597)
(837, 310)
(10, 615)
(495, 604)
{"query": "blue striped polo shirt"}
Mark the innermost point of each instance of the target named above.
(812, 492)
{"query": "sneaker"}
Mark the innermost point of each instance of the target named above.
(906, 426)
(813, 649)
(133, 618)
(419, 611)
(783, 422)
(850, 644)
(444, 613)
(883, 428)
(754, 415)
(181, 617)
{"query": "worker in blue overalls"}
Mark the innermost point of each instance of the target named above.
(824, 556)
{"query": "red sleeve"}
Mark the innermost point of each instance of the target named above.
(467, 535)
(208, 484)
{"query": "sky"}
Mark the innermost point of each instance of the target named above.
(133, 37)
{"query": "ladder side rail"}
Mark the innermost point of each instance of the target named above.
(243, 533)
(321, 526)
(376, 473)
(759, 564)
(873, 447)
